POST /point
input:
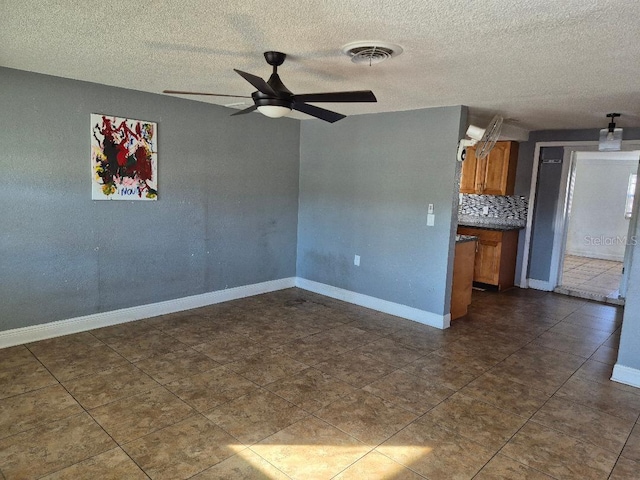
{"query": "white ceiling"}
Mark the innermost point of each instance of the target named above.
(543, 64)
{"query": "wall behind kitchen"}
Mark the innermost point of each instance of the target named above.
(226, 214)
(364, 190)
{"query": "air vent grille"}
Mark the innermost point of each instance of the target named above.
(371, 52)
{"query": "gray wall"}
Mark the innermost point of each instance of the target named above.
(523, 185)
(364, 189)
(629, 349)
(546, 203)
(599, 217)
(226, 214)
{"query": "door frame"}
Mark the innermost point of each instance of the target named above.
(561, 208)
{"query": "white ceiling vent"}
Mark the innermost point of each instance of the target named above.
(370, 52)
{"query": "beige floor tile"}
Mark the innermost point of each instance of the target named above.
(366, 417)
(557, 454)
(183, 449)
(313, 349)
(124, 331)
(599, 372)
(590, 321)
(575, 346)
(435, 452)
(109, 385)
(13, 356)
(75, 361)
(584, 423)
(605, 354)
(139, 415)
(411, 392)
(66, 342)
(228, 347)
(375, 465)
(606, 398)
(52, 447)
(393, 353)
(538, 376)
(446, 371)
(503, 468)
(175, 365)
(212, 388)
(111, 465)
(267, 367)
(244, 465)
(39, 407)
(21, 377)
(625, 469)
(505, 394)
(355, 368)
(426, 341)
(255, 416)
(476, 420)
(349, 337)
(583, 333)
(632, 447)
(310, 449)
(310, 389)
(152, 343)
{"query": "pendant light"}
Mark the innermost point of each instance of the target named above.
(611, 137)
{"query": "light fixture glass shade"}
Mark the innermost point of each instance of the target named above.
(274, 111)
(610, 141)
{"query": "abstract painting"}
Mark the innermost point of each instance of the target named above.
(124, 158)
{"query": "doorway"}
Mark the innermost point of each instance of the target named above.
(545, 234)
(598, 212)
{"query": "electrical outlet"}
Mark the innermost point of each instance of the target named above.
(430, 208)
(356, 260)
(485, 210)
(431, 220)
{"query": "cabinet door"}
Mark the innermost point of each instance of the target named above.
(499, 174)
(468, 174)
(487, 262)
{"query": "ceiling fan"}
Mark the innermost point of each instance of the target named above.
(275, 100)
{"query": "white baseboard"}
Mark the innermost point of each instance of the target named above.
(397, 309)
(596, 255)
(34, 333)
(626, 375)
(540, 285)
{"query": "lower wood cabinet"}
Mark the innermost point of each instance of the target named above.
(495, 259)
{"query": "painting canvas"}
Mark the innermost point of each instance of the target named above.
(124, 158)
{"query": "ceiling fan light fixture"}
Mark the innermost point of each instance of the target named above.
(611, 137)
(274, 111)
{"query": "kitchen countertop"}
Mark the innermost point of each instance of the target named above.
(490, 226)
(465, 238)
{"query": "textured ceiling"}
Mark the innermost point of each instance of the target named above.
(543, 64)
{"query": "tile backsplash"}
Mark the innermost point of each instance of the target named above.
(503, 210)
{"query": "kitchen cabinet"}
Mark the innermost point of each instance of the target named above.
(493, 175)
(462, 282)
(495, 258)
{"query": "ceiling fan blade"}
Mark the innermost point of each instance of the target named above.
(355, 96)
(257, 82)
(179, 92)
(246, 110)
(321, 113)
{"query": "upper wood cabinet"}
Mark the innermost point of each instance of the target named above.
(494, 174)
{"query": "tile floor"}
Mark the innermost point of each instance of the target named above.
(295, 385)
(591, 278)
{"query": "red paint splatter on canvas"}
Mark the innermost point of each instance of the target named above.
(124, 158)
